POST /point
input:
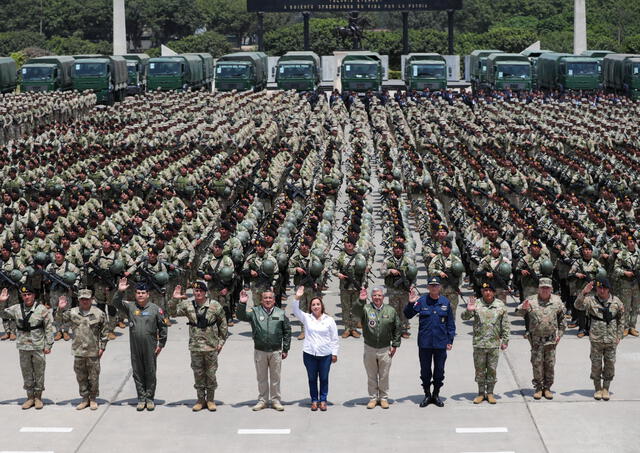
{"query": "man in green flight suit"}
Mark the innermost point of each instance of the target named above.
(148, 330)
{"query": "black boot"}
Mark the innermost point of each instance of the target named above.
(427, 398)
(435, 398)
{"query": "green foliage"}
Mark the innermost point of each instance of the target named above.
(632, 44)
(14, 41)
(74, 45)
(211, 42)
(20, 58)
(322, 34)
(508, 39)
(393, 74)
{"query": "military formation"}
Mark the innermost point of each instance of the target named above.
(110, 213)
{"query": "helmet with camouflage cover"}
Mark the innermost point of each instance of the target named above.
(457, 268)
(504, 270)
(359, 264)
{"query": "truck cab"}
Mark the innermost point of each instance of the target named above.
(298, 71)
(137, 67)
(241, 71)
(508, 71)
(479, 69)
(106, 76)
(361, 72)
(179, 72)
(47, 74)
(425, 71)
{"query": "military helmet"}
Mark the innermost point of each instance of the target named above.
(318, 252)
(69, 277)
(457, 268)
(411, 272)
(161, 278)
(327, 215)
(268, 266)
(29, 271)
(315, 268)
(41, 258)
(601, 274)
(237, 256)
(504, 270)
(359, 264)
(546, 268)
(15, 275)
(243, 237)
(117, 267)
(225, 274)
(283, 260)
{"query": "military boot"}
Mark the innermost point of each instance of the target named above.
(211, 403)
(28, 404)
(537, 394)
(435, 398)
(200, 403)
(480, 398)
(548, 394)
(490, 397)
(37, 400)
(93, 404)
(83, 405)
(141, 405)
(598, 394)
(605, 390)
(427, 398)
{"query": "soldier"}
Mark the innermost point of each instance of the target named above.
(9, 263)
(34, 325)
(90, 330)
(344, 267)
(395, 270)
(207, 334)
(272, 340)
(545, 312)
(61, 272)
(300, 267)
(218, 272)
(627, 270)
(607, 326)
(155, 274)
(490, 268)
(381, 327)
(583, 271)
(449, 268)
(148, 330)
(490, 335)
(104, 282)
(260, 268)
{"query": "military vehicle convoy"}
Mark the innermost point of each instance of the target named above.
(621, 74)
(425, 71)
(562, 71)
(242, 71)
(179, 72)
(299, 71)
(8, 76)
(47, 74)
(105, 75)
(361, 71)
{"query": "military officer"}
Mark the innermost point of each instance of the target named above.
(583, 270)
(90, 330)
(395, 271)
(607, 326)
(490, 335)
(148, 330)
(545, 312)
(207, 334)
(34, 325)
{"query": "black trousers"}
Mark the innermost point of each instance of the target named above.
(437, 357)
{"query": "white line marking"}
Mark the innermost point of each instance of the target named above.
(499, 429)
(23, 451)
(488, 452)
(264, 431)
(44, 429)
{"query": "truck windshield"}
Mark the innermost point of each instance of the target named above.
(160, 68)
(236, 71)
(514, 70)
(295, 71)
(90, 69)
(583, 69)
(635, 69)
(430, 71)
(131, 69)
(35, 74)
(361, 71)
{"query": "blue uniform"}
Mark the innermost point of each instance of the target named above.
(436, 330)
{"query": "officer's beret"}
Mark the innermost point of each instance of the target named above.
(153, 250)
(351, 240)
(225, 225)
(488, 285)
(446, 243)
(442, 226)
(587, 246)
(26, 289)
(603, 283)
(218, 244)
(199, 284)
(398, 245)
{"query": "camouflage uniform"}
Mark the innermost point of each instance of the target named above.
(604, 336)
(490, 330)
(104, 289)
(207, 332)
(397, 289)
(349, 288)
(56, 290)
(262, 282)
(451, 284)
(212, 266)
(628, 288)
(546, 324)
(35, 334)
(90, 331)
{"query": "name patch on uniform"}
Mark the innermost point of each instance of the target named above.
(144, 313)
(444, 307)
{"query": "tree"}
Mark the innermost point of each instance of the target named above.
(74, 45)
(171, 19)
(209, 42)
(15, 41)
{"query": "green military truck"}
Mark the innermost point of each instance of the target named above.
(47, 74)
(299, 71)
(361, 72)
(622, 74)
(599, 55)
(207, 69)
(563, 71)
(178, 72)
(478, 68)
(242, 71)
(425, 71)
(508, 71)
(8, 76)
(137, 68)
(533, 56)
(105, 75)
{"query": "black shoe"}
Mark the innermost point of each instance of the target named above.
(427, 399)
(435, 399)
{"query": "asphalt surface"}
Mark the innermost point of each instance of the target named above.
(572, 422)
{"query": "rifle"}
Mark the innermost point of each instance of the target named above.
(53, 278)
(6, 278)
(101, 274)
(148, 278)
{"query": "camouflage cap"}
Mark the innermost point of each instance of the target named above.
(85, 294)
(545, 283)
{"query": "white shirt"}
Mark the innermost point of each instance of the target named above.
(320, 335)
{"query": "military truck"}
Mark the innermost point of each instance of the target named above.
(425, 71)
(8, 76)
(533, 56)
(207, 69)
(599, 55)
(47, 74)
(178, 72)
(622, 74)
(242, 71)
(361, 71)
(137, 68)
(478, 69)
(299, 71)
(508, 71)
(105, 75)
(563, 71)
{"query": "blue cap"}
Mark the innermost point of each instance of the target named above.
(142, 286)
(603, 283)
(434, 280)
